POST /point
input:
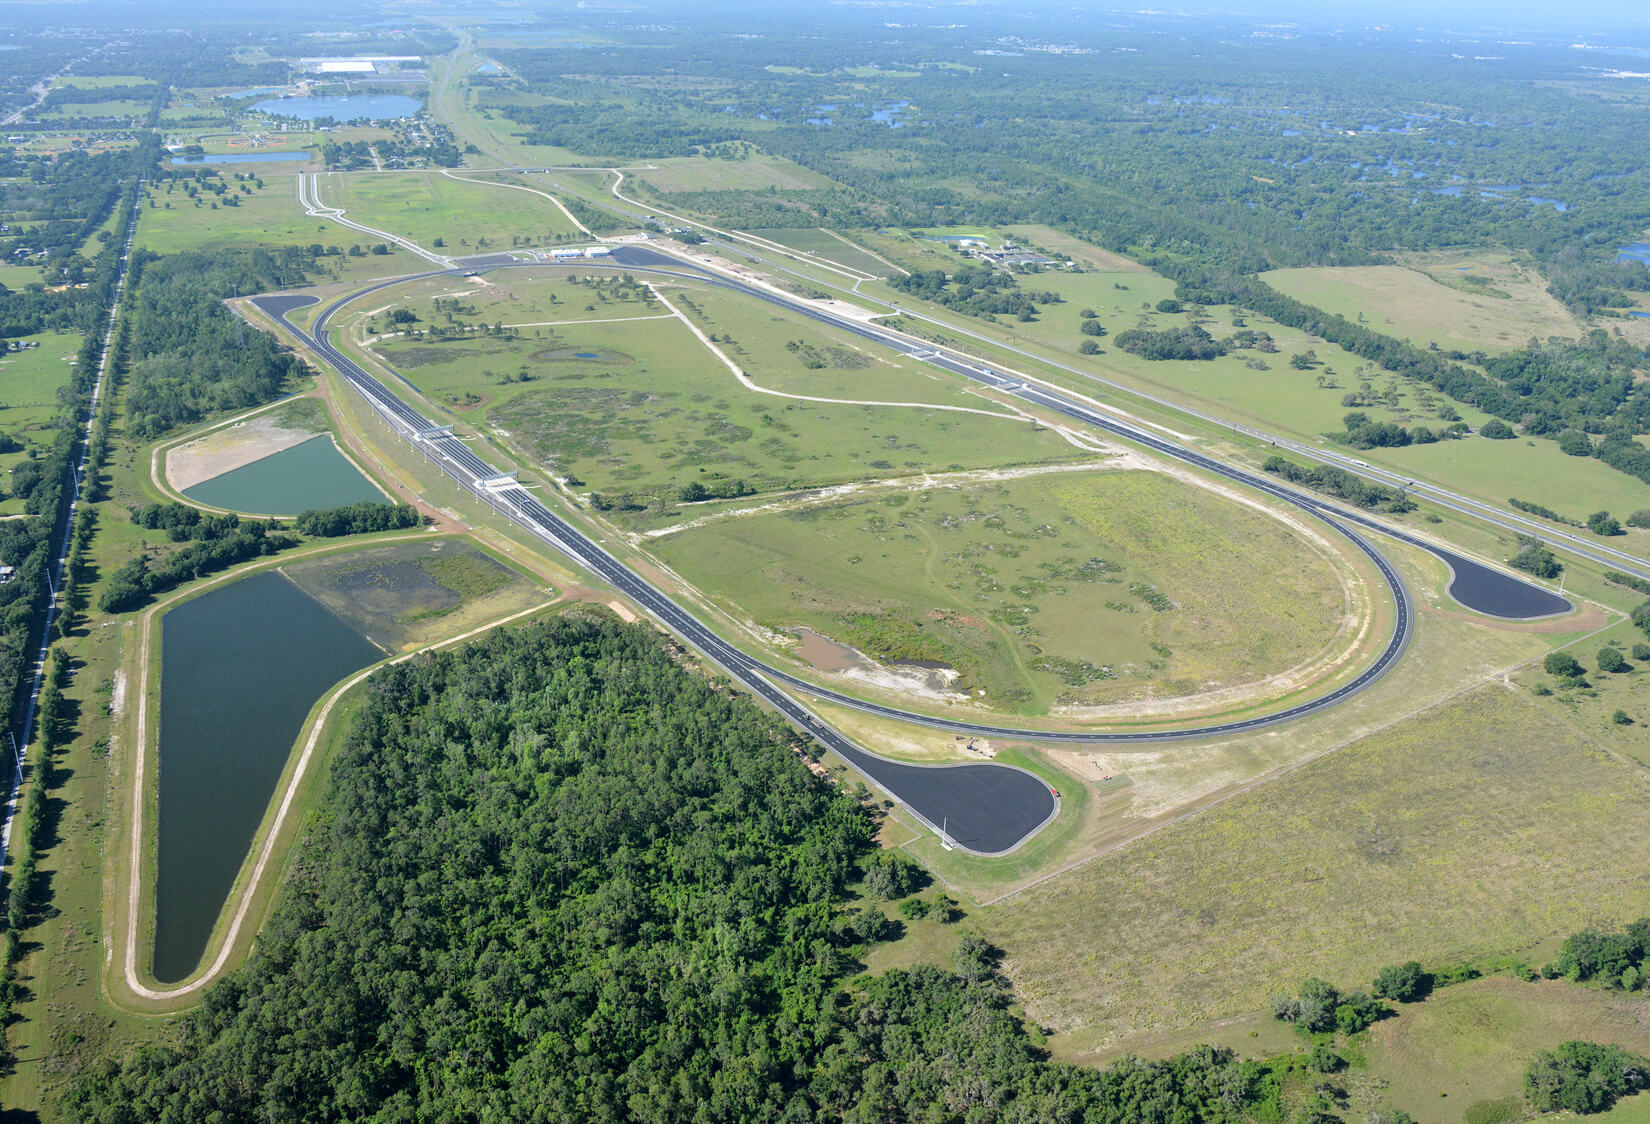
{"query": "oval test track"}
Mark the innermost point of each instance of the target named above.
(987, 809)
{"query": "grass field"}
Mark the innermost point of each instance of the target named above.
(756, 173)
(1483, 826)
(269, 216)
(1502, 312)
(823, 244)
(1044, 591)
(29, 381)
(426, 205)
(520, 298)
(1281, 399)
(112, 110)
(799, 356)
(642, 407)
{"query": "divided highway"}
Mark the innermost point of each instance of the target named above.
(987, 809)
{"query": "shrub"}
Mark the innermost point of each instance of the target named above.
(1562, 664)
(1583, 1077)
(1404, 982)
(1496, 430)
(1639, 518)
(1621, 718)
(1641, 651)
(1576, 443)
(1533, 558)
(1604, 524)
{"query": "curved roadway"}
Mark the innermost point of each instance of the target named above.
(984, 808)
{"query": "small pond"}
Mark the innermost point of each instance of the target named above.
(312, 475)
(374, 107)
(240, 669)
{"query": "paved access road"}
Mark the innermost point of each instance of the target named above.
(984, 808)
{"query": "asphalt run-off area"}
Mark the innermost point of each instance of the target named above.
(983, 808)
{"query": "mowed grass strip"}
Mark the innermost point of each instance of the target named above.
(1481, 827)
(1045, 591)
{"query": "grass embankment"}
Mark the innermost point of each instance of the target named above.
(1045, 591)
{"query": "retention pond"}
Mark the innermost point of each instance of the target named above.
(312, 475)
(240, 669)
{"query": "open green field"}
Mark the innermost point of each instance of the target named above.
(522, 298)
(99, 81)
(800, 356)
(641, 407)
(112, 110)
(19, 276)
(1502, 312)
(1472, 1043)
(1483, 826)
(758, 172)
(820, 243)
(1303, 403)
(426, 205)
(1059, 590)
(269, 216)
(29, 382)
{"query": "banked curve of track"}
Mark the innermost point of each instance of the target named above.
(987, 809)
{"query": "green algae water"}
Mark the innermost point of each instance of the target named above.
(240, 669)
(311, 476)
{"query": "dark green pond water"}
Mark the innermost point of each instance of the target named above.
(310, 476)
(240, 669)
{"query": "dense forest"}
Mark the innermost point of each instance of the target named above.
(191, 356)
(561, 878)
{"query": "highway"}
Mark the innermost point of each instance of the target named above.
(983, 808)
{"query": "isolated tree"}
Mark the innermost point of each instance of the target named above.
(1604, 524)
(1404, 982)
(1496, 430)
(1610, 660)
(1562, 664)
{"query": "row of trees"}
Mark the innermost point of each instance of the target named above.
(1341, 484)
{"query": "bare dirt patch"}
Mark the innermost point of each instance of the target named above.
(233, 447)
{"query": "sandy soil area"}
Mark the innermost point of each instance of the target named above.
(228, 449)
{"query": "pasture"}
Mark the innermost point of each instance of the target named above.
(29, 382)
(1487, 304)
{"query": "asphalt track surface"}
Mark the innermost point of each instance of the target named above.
(986, 809)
